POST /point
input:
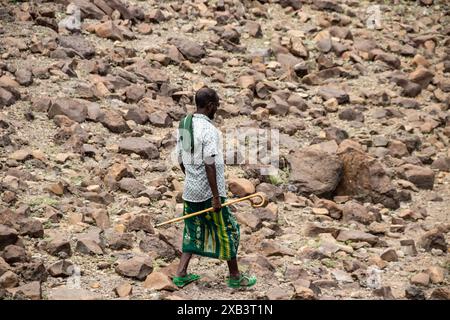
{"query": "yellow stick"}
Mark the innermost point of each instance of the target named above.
(259, 204)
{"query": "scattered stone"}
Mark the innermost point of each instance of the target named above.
(140, 146)
(433, 239)
(414, 293)
(28, 291)
(114, 121)
(352, 210)
(389, 255)
(9, 280)
(421, 279)
(12, 254)
(61, 268)
(74, 109)
(422, 177)
(136, 267)
(192, 50)
(58, 246)
(437, 274)
(109, 30)
(141, 222)
(8, 236)
(241, 187)
(159, 281)
(123, 290)
(357, 236)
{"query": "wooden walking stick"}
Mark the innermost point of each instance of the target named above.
(263, 202)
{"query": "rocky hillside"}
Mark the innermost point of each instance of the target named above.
(91, 92)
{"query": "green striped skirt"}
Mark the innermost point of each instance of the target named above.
(212, 234)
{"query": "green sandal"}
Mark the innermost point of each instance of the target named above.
(180, 282)
(244, 280)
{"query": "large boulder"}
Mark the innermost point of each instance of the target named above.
(364, 178)
(314, 171)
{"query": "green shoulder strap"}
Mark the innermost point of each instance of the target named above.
(186, 132)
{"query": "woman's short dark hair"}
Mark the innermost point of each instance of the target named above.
(205, 96)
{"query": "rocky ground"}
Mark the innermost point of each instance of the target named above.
(359, 207)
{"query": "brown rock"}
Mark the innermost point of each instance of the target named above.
(332, 92)
(433, 239)
(24, 77)
(357, 236)
(421, 76)
(397, 149)
(114, 121)
(13, 254)
(8, 236)
(74, 109)
(123, 290)
(352, 210)
(272, 192)
(88, 9)
(390, 59)
(9, 280)
(247, 82)
(241, 187)
(132, 186)
(32, 228)
(158, 247)
(119, 241)
(441, 294)
(421, 279)
(389, 255)
(138, 115)
(364, 176)
(441, 164)
(422, 177)
(136, 267)
(41, 104)
(160, 119)
(140, 146)
(249, 219)
(30, 291)
(141, 222)
(78, 44)
(192, 50)
(278, 106)
(303, 293)
(144, 28)
(109, 30)
(58, 246)
(277, 293)
(308, 171)
(437, 274)
(159, 281)
(134, 93)
(323, 41)
(254, 29)
(61, 268)
(56, 188)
